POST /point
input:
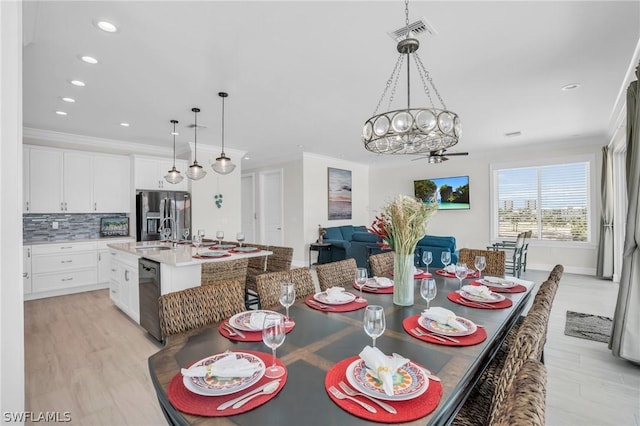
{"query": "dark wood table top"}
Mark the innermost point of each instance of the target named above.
(321, 339)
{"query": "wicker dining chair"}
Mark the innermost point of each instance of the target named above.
(257, 265)
(196, 307)
(341, 273)
(495, 260)
(269, 285)
(216, 272)
(280, 260)
(382, 264)
(525, 401)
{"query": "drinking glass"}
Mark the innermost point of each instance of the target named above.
(427, 258)
(428, 289)
(240, 238)
(374, 323)
(461, 272)
(273, 334)
(197, 239)
(185, 233)
(445, 258)
(361, 280)
(219, 236)
(480, 263)
(287, 298)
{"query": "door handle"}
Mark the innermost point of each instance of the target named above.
(126, 275)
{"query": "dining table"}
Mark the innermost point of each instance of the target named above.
(322, 339)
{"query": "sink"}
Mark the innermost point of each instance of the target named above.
(153, 248)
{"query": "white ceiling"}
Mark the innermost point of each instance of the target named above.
(305, 75)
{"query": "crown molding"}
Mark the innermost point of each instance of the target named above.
(212, 152)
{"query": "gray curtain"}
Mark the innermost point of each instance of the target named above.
(625, 333)
(604, 266)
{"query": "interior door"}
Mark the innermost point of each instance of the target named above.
(248, 207)
(271, 220)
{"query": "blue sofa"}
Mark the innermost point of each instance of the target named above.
(436, 245)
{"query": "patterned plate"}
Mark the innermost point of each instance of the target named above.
(322, 297)
(216, 386)
(497, 282)
(408, 382)
(372, 283)
(446, 330)
(246, 249)
(213, 254)
(493, 297)
(242, 321)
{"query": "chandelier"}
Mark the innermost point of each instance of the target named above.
(173, 175)
(411, 130)
(223, 164)
(195, 171)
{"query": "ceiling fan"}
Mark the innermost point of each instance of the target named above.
(439, 156)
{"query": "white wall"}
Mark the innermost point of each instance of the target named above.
(472, 227)
(11, 291)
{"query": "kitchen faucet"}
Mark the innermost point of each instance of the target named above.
(172, 227)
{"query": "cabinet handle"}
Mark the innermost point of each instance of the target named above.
(66, 247)
(99, 257)
(113, 270)
(28, 252)
(27, 206)
(65, 206)
(95, 206)
(66, 261)
(67, 279)
(25, 275)
(61, 206)
(126, 275)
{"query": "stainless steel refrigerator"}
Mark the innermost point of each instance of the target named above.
(168, 209)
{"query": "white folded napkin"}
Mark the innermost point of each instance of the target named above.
(337, 295)
(508, 280)
(382, 366)
(227, 366)
(444, 316)
(477, 290)
(383, 281)
(450, 269)
(256, 320)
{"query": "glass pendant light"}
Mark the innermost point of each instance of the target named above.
(223, 164)
(195, 171)
(173, 175)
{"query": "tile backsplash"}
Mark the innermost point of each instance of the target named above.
(40, 227)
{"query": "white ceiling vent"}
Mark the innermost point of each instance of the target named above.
(417, 28)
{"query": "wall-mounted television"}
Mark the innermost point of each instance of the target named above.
(451, 193)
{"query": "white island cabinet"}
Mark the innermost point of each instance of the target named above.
(123, 283)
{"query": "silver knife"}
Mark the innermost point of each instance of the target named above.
(228, 404)
(235, 330)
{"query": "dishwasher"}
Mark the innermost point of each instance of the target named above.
(149, 284)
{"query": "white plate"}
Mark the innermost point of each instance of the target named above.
(213, 254)
(372, 283)
(225, 246)
(409, 381)
(216, 386)
(246, 249)
(322, 297)
(497, 282)
(435, 327)
(242, 320)
(493, 297)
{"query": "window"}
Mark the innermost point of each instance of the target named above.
(553, 201)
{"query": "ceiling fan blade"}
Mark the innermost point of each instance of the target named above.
(447, 154)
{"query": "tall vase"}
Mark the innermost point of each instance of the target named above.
(403, 279)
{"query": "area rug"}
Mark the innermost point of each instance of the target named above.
(586, 326)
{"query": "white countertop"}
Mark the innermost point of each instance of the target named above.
(178, 255)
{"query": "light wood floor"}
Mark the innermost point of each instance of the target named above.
(85, 356)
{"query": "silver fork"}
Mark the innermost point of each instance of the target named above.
(319, 305)
(229, 330)
(340, 395)
(351, 392)
(435, 336)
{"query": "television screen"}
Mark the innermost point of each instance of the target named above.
(451, 193)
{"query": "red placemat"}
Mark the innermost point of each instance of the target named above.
(515, 289)
(249, 336)
(443, 273)
(382, 290)
(472, 339)
(457, 298)
(197, 256)
(188, 402)
(347, 307)
(244, 252)
(423, 275)
(407, 411)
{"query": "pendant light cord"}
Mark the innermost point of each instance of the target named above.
(223, 127)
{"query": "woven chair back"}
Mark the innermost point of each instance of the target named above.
(216, 272)
(269, 283)
(256, 266)
(280, 260)
(337, 274)
(495, 260)
(196, 307)
(381, 264)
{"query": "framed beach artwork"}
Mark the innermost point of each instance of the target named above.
(451, 193)
(339, 194)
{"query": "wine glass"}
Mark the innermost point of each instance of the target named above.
(445, 258)
(480, 263)
(461, 272)
(219, 236)
(361, 280)
(240, 238)
(374, 323)
(197, 239)
(427, 258)
(273, 334)
(287, 298)
(428, 289)
(185, 233)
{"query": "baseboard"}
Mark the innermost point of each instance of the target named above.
(65, 291)
(567, 268)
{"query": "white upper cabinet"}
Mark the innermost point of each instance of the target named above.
(111, 184)
(150, 172)
(77, 187)
(45, 181)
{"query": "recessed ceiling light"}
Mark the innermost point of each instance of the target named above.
(107, 26)
(124, 124)
(77, 83)
(89, 59)
(247, 157)
(570, 86)
(175, 134)
(70, 100)
(61, 113)
(513, 134)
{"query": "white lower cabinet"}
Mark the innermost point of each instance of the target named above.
(123, 283)
(26, 269)
(59, 267)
